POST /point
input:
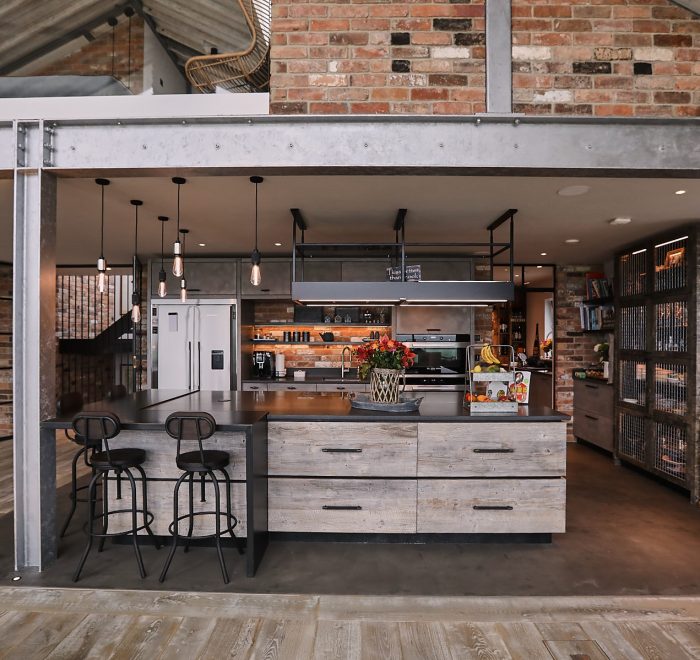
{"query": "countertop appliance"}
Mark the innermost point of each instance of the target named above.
(193, 345)
(263, 364)
(440, 361)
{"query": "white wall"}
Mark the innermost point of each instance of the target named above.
(160, 75)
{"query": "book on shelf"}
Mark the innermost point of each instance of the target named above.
(597, 317)
(597, 286)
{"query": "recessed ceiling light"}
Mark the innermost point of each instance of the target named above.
(573, 191)
(571, 240)
(516, 275)
(109, 268)
(620, 221)
(202, 245)
(543, 254)
(680, 192)
(278, 244)
(527, 283)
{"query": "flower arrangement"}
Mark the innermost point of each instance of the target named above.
(547, 344)
(384, 353)
(602, 350)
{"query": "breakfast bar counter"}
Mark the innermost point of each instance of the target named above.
(309, 463)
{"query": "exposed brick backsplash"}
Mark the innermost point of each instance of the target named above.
(611, 58)
(372, 57)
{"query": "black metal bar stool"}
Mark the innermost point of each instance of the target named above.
(101, 427)
(199, 426)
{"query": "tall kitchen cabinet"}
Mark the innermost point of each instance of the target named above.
(657, 402)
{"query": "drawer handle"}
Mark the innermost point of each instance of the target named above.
(254, 387)
(591, 387)
(291, 387)
(341, 507)
(342, 450)
(340, 387)
(492, 507)
(484, 450)
(595, 419)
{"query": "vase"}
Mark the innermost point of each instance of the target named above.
(385, 385)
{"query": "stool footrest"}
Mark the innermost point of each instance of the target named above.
(186, 516)
(139, 512)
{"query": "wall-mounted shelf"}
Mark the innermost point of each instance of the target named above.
(314, 324)
(307, 343)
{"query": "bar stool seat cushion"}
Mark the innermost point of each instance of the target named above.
(121, 458)
(191, 461)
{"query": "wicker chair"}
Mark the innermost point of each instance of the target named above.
(243, 71)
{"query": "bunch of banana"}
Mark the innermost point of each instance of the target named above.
(488, 356)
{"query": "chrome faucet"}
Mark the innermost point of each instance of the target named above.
(342, 361)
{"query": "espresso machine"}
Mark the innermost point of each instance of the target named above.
(263, 364)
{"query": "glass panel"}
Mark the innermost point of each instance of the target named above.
(633, 273)
(671, 447)
(671, 326)
(540, 277)
(633, 382)
(633, 321)
(671, 391)
(670, 264)
(631, 437)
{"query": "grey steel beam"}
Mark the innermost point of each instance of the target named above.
(690, 5)
(7, 149)
(394, 145)
(34, 355)
(499, 56)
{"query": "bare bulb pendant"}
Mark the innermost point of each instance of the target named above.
(162, 289)
(183, 290)
(102, 281)
(136, 313)
(255, 275)
(178, 268)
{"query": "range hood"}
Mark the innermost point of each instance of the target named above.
(403, 293)
(402, 290)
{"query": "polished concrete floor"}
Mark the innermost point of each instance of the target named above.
(627, 535)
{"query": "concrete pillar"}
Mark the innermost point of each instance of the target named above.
(499, 55)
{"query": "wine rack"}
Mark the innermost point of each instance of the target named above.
(657, 406)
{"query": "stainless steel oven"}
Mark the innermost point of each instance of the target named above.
(440, 361)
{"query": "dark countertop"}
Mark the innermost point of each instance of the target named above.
(237, 410)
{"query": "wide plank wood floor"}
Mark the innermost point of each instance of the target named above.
(86, 623)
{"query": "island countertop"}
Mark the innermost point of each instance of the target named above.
(234, 410)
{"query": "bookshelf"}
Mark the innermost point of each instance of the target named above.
(597, 308)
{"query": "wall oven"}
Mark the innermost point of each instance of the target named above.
(440, 362)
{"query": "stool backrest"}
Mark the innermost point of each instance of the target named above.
(95, 427)
(190, 426)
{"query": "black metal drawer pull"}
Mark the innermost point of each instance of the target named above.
(595, 419)
(591, 387)
(492, 507)
(342, 450)
(340, 507)
(505, 450)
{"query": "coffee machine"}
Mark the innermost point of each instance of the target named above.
(263, 364)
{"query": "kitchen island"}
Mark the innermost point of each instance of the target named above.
(309, 463)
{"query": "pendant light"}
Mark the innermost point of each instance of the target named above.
(162, 287)
(101, 263)
(255, 274)
(183, 282)
(136, 295)
(178, 261)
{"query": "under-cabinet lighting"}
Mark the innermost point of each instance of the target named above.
(639, 251)
(675, 240)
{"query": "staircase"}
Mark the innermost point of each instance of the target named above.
(108, 341)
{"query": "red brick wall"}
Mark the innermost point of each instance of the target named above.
(5, 350)
(95, 58)
(366, 57)
(606, 58)
(572, 348)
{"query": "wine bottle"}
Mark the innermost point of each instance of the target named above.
(536, 346)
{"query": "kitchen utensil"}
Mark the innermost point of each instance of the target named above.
(326, 336)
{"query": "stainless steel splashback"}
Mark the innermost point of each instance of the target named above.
(432, 319)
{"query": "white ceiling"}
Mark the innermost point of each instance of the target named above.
(219, 212)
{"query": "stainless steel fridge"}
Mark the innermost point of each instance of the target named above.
(193, 345)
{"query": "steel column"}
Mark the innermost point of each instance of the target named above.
(34, 354)
(499, 57)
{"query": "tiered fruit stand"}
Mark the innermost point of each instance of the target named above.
(485, 374)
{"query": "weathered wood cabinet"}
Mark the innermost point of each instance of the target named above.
(593, 413)
(417, 477)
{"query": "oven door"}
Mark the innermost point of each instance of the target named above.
(438, 359)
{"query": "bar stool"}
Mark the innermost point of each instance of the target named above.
(101, 427)
(199, 426)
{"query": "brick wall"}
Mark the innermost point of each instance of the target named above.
(572, 348)
(95, 58)
(373, 56)
(608, 58)
(5, 350)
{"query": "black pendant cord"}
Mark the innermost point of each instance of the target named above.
(129, 13)
(162, 244)
(136, 243)
(113, 22)
(102, 225)
(178, 211)
(256, 216)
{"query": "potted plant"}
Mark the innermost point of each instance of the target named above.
(385, 360)
(603, 351)
(546, 347)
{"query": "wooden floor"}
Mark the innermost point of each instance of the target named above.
(82, 623)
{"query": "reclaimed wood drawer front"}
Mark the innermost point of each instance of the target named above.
(291, 387)
(491, 506)
(594, 428)
(510, 449)
(255, 387)
(596, 398)
(340, 449)
(362, 506)
(160, 504)
(161, 450)
(342, 387)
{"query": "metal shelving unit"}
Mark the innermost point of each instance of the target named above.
(656, 364)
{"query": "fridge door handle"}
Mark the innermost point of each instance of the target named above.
(189, 365)
(199, 365)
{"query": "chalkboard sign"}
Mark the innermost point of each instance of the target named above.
(413, 273)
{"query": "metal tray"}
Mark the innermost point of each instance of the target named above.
(363, 402)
